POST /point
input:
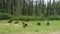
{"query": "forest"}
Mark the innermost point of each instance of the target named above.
(26, 10)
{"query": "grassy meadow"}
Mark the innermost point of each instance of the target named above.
(32, 27)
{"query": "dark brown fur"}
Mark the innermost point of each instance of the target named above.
(48, 23)
(24, 24)
(10, 21)
(38, 24)
(0, 19)
(16, 22)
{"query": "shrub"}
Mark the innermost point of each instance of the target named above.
(27, 18)
(54, 18)
(5, 16)
(22, 18)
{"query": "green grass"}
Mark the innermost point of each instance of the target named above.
(12, 28)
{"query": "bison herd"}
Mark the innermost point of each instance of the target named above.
(25, 24)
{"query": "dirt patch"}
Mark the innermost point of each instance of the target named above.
(16, 25)
(6, 24)
(35, 33)
(56, 32)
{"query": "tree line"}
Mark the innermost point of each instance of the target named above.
(27, 7)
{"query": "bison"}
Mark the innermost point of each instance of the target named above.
(24, 24)
(38, 24)
(16, 22)
(10, 21)
(48, 23)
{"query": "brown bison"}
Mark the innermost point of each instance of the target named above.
(10, 21)
(16, 22)
(38, 24)
(24, 24)
(48, 23)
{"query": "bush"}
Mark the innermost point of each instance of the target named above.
(22, 18)
(27, 18)
(54, 18)
(5, 16)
